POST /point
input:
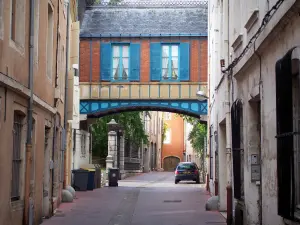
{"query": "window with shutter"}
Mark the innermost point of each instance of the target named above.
(105, 61)
(155, 61)
(184, 65)
(135, 58)
(120, 65)
(170, 67)
(288, 141)
(237, 148)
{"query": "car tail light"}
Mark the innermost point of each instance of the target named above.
(176, 172)
(196, 172)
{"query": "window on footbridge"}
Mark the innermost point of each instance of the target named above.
(170, 62)
(120, 70)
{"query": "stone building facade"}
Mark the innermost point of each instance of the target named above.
(173, 150)
(254, 110)
(31, 161)
(151, 153)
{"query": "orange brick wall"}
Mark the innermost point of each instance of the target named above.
(84, 65)
(96, 61)
(198, 58)
(204, 61)
(145, 61)
(176, 148)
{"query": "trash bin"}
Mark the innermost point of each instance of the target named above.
(80, 179)
(91, 178)
(113, 177)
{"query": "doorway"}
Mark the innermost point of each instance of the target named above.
(170, 163)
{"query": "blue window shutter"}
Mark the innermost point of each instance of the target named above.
(135, 58)
(155, 61)
(184, 61)
(105, 61)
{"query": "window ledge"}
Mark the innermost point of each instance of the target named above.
(17, 205)
(252, 19)
(18, 48)
(290, 222)
(237, 42)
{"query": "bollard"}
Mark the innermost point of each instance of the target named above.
(207, 182)
(216, 187)
(229, 205)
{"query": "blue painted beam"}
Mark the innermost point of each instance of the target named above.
(141, 35)
(99, 108)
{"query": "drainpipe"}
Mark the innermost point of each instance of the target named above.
(66, 93)
(228, 153)
(52, 172)
(28, 200)
(228, 116)
(260, 144)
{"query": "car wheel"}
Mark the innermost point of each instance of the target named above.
(176, 181)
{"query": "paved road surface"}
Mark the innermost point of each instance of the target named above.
(146, 199)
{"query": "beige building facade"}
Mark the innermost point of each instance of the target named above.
(254, 110)
(153, 121)
(32, 162)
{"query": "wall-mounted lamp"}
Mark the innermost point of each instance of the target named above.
(201, 96)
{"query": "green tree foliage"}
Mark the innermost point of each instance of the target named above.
(114, 2)
(165, 127)
(197, 134)
(133, 127)
(197, 137)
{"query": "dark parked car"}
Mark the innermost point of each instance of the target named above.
(187, 171)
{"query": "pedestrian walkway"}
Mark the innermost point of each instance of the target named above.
(146, 199)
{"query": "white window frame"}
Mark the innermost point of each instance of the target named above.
(169, 58)
(168, 139)
(120, 60)
(167, 116)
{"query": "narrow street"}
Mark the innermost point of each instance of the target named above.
(146, 199)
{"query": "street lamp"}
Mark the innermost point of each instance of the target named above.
(114, 126)
(201, 96)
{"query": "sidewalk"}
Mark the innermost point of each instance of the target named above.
(89, 207)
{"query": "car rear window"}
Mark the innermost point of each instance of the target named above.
(186, 166)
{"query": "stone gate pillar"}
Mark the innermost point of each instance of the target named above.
(111, 159)
(122, 152)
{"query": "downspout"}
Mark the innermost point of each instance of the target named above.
(228, 116)
(91, 144)
(74, 147)
(228, 153)
(259, 154)
(28, 200)
(52, 173)
(66, 92)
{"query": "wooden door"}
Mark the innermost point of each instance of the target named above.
(170, 163)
